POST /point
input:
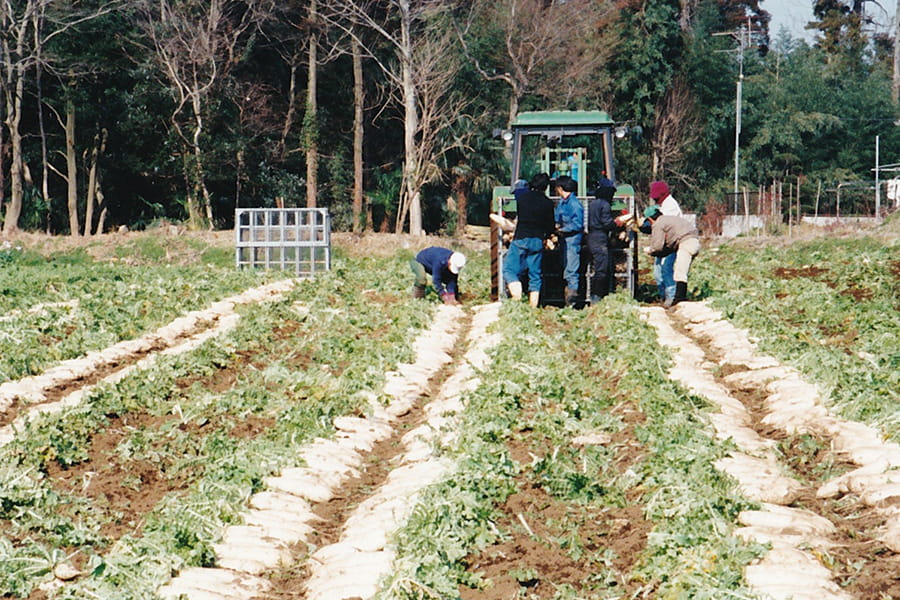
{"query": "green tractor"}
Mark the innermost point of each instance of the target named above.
(574, 143)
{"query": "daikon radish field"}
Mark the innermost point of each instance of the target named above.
(174, 428)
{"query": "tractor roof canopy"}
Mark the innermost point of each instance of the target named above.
(573, 122)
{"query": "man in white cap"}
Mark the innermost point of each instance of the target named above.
(444, 266)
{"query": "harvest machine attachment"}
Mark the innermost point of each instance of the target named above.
(574, 143)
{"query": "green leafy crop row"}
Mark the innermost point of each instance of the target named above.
(554, 376)
(828, 307)
(61, 308)
(205, 427)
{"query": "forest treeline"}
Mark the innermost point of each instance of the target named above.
(133, 112)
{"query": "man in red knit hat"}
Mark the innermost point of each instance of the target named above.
(664, 266)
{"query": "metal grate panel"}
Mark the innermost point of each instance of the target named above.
(297, 239)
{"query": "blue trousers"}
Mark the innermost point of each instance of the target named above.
(664, 273)
(524, 255)
(571, 248)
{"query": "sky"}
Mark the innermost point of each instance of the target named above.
(794, 14)
(790, 14)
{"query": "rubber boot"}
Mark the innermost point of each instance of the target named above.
(515, 290)
(680, 291)
(668, 297)
(418, 291)
(534, 298)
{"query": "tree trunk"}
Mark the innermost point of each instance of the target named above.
(895, 85)
(462, 202)
(312, 128)
(202, 194)
(291, 109)
(42, 132)
(358, 106)
(239, 174)
(14, 96)
(90, 193)
(71, 171)
(93, 186)
(514, 106)
(190, 201)
(412, 200)
(101, 204)
(2, 170)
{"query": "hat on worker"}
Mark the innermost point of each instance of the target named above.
(457, 262)
(520, 185)
(659, 190)
(652, 211)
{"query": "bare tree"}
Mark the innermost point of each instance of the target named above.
(434, 72)
(25, 29)
(16, 60)
(94, 197)
(359, 98)
(675, 128)
(310, 122)
(551, 48)
(895, 83)
(406, 30)
(195, 44)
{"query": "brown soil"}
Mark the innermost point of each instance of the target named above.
(858, 293)
(125, 489)
(895, 269)
(54, 394)
(533, 559)
(548, 542)
(807, 271)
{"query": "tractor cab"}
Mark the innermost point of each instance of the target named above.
(574, 143)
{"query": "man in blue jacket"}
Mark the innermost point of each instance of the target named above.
(444, 266)
(569, 215)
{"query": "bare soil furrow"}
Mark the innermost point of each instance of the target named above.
(65, 384)
(828, 540)
(304, 521)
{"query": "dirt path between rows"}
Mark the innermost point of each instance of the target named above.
(323, 530)
(66, 383)
(828, 488)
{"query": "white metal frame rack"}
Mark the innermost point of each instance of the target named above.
(297, 239)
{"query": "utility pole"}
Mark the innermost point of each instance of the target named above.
(877, 186)
(743, 38)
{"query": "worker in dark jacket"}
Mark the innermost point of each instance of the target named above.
(534, 223)
(600, 224)
(444, 266)
(670, 234)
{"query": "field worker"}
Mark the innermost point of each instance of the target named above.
(600, 224)
(520, 187)
(444, 266)
(673, 235)
(664, 266)
(534, 224)
(569, 216)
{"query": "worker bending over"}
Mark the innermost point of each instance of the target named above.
(668, 235)
(664, 266)
(444, 266)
